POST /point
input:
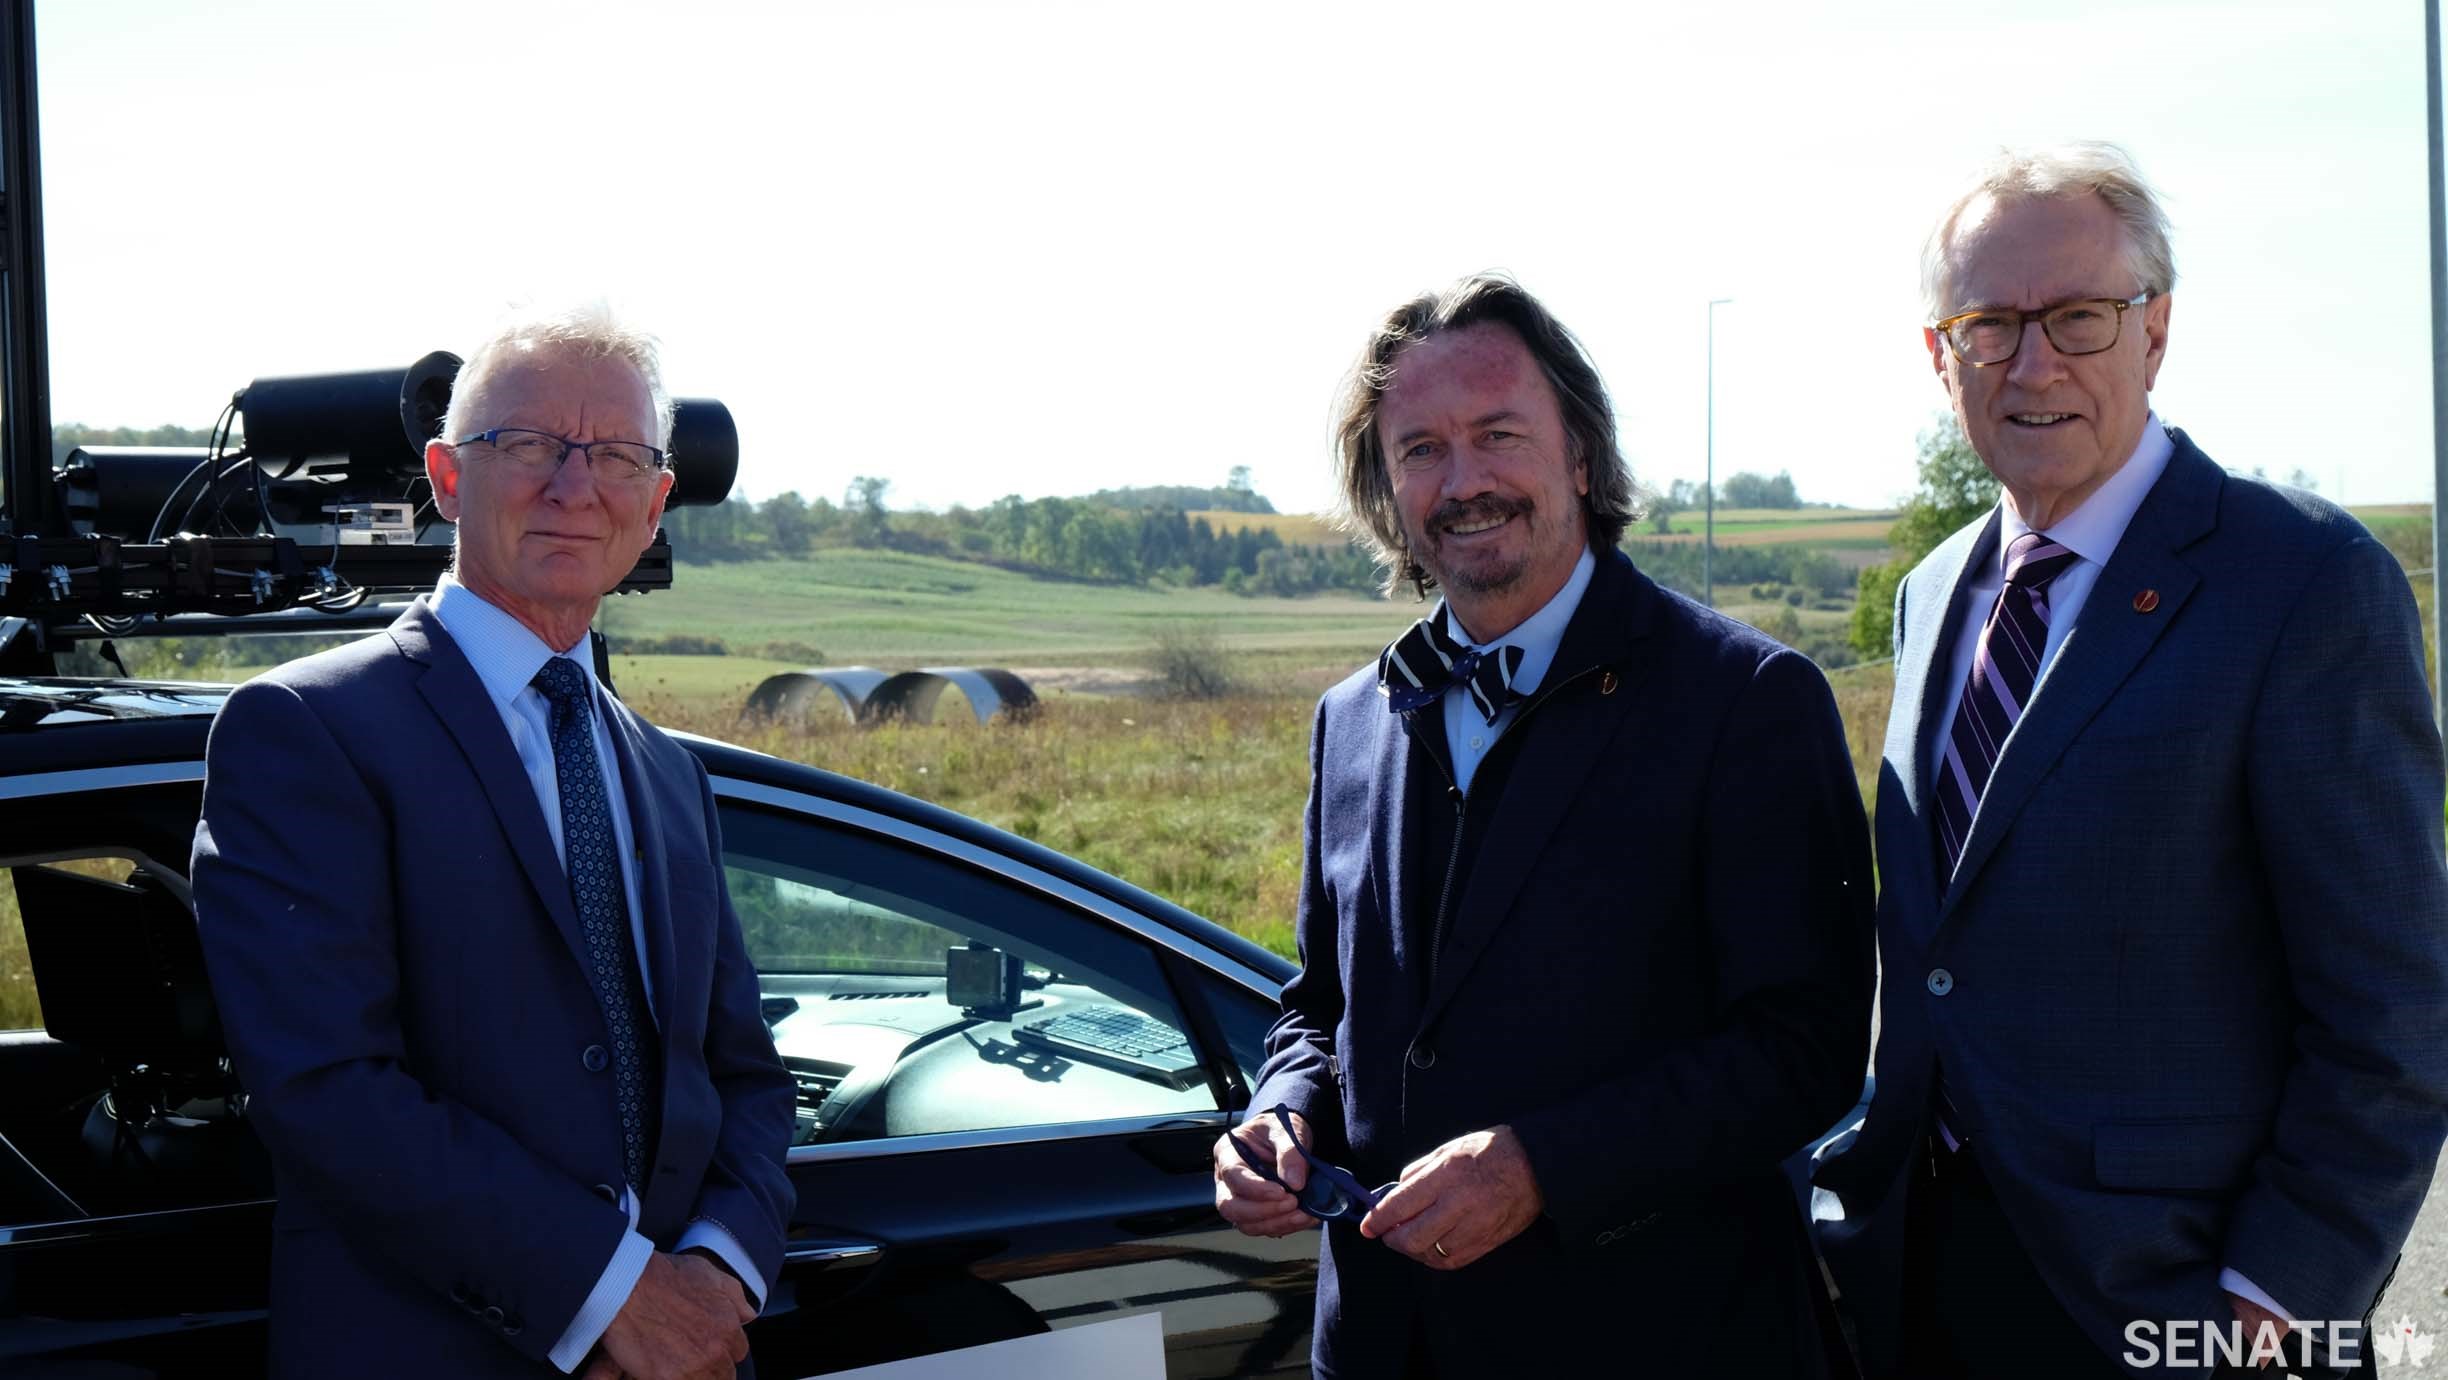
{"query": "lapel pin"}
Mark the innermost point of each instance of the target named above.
(2146, 601)
(1606, 682)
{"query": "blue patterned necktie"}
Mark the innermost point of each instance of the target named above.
(592, 854)
(1425, 662)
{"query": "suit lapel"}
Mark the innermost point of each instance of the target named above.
(1924, 676)
(459, 700)
(2108, 641)
(1556, 743)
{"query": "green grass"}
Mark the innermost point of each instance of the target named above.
(887, 609)
(18, 1008)
(1199, 802)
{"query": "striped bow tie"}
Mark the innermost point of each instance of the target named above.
(1424, 663)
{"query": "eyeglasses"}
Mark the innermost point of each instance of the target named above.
(1330, 1194)
(539, 453)
(1991, 335)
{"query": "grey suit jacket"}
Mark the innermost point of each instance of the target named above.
(2190, 979)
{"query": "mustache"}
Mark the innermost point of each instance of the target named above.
(1486, 508)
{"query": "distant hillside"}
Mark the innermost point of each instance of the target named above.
(1187, 497)
(1296, 529)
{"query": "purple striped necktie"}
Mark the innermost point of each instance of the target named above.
(2004, 671)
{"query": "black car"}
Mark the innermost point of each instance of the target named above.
(1011, 1070)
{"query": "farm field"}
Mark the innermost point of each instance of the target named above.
(1296, 529)
(885, 608)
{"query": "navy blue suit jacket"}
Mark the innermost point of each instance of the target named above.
(1658, 973)
(2194, 1011)
(399, 966)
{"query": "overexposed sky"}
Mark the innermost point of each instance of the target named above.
(998, 247)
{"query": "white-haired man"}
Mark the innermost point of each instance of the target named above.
(2164, 1051)
(466, 921)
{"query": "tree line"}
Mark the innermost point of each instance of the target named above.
(1070, 538)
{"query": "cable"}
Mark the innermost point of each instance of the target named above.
(203, 466)
(187, 519)
(153, 534)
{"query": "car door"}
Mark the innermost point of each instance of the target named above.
(1009, 1089)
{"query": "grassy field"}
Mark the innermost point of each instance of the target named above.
(888, 609)
(1198, 801)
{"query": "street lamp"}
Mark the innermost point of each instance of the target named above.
(1708, 538)
(2439, 364)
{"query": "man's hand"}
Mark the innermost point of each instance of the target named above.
(2255, 1318)
(1244, 1197)
(1459, 1201)
(682, 1322)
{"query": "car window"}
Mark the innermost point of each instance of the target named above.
(20, 1006)
(1243, 1016)
(912, 994)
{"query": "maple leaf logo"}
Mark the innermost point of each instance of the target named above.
(2404, 1342)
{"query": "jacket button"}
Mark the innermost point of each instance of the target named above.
(1940, 982)
(595, 1058)
(1422, 1057)
(493, 1316)
(604, 1191)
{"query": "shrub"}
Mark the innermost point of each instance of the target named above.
(1191, 661)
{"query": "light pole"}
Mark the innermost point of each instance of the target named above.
(2439, 367)
(1708, 538)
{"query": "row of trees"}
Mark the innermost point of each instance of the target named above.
(1745, 490)
(67, 436)
(1075, 538)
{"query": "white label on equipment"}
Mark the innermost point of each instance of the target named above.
(1129, 1348)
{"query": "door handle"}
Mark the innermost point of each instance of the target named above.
(829, 1253)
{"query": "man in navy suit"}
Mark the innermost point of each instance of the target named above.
(1585, 912)
(2164, 922)
(465, 918)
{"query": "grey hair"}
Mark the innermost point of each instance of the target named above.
(590, 331)
(2089, 167)
(1367, 510)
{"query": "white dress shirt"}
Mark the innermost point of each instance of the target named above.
(2091, 532)
(506, 655)
(1468, 736)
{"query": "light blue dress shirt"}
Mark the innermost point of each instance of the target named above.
(1469, 736)
(506, 655)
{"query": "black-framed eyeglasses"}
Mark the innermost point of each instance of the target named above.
(1330, 1194)
(2083, 326)
(539, 453)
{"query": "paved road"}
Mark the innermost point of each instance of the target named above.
(2420, 1291)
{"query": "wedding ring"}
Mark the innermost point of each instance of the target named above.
(1440, 1249)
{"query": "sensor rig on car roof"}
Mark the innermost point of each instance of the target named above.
(310, 503)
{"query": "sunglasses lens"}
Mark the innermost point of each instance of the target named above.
(1326, 1200)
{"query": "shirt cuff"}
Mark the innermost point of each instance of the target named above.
(2243, 1288)
(714, 1236)
(612, 1289)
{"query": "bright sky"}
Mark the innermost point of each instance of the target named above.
(992, 247)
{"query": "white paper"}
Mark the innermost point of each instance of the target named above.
(1129, 1348)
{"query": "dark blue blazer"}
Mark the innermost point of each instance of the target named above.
(398, 963)
(2194, 1009)
(1658, 972)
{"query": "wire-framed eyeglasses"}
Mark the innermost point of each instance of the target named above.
(539, 453)
(1330, 1194)
(2084, 326)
